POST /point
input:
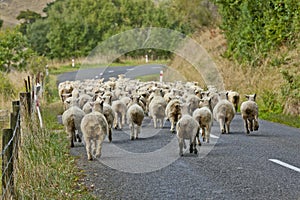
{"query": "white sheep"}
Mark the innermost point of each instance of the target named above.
(223, 113)
(173, 112)
(192, 102)
(249, 111)
(94, 128)
(119, 108)
(205, 118)
(135, 117)
(71, 119)
(187, 128)
(157, 109)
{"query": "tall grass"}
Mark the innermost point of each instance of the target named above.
(45, 169)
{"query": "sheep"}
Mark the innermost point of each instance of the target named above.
(249, 111)
(187, 128)
(223, 113)
(135, 117)
(71, 119)
(204, 117)
(119, 109)
(234, 98)
(157, 110)
(193, 103)
(173, 112)
(94, 128)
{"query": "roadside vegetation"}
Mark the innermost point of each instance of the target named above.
(255, 45)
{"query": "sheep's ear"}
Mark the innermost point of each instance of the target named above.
(92, 104)
(247, 96)
(254, 96)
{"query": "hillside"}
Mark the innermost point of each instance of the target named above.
(10, 9)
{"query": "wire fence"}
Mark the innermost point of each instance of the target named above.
(12, 137)
(9, 153)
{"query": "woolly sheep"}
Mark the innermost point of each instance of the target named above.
(94, 128)
(223, 113)
(173, 112)
(187, 128)
(204, 117)
(249, 111)
(157, 109)
(119, 109)
(71, 119)
(193, 103)
(135, 117)
(234, 98)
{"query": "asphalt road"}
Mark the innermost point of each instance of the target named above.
(262, 165)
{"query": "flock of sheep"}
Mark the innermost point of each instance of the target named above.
(92, 108)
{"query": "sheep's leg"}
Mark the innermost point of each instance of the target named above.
(132, 131)
(222, 124)
(203, 134)
(246, 126)
(227, 126)
(138, 130)
(256, 125)
(71, 133)
(123, 119)
(198, 137)
(191, 145)
(109, 134)
(194, 145)
(155, 121)
(98, 145)
(207, 133)
(116, 120)
(250, 125)
(181, 144)
(172, 126)
(78, 136)
(88, 149)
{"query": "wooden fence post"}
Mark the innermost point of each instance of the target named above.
(25, 104)
(7, 164)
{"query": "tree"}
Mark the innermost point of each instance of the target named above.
(27, 17)
(14, 50)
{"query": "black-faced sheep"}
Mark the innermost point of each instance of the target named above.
(249, 111)
(234, 98)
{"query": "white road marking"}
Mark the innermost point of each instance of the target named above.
(101, 74)
(111, 71)
(214, 136)
(130, 69)
(158, 67)
(285, 165)
(96, 76)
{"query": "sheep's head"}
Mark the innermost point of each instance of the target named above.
(251, 97)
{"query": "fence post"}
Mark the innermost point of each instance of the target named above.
(7, 164)
(25, 104)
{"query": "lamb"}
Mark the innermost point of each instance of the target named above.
(187, 128)
(94, 128)
(71, 119)
(173, 112)
(234, 98)
(157, 109)
(119, 109)
(135, 117)
(204, 117)
(223, 113)
(249, 111)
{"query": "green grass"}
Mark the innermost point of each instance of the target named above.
(293, 121)
(46, 170)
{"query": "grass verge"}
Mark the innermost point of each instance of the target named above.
(45, 168)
